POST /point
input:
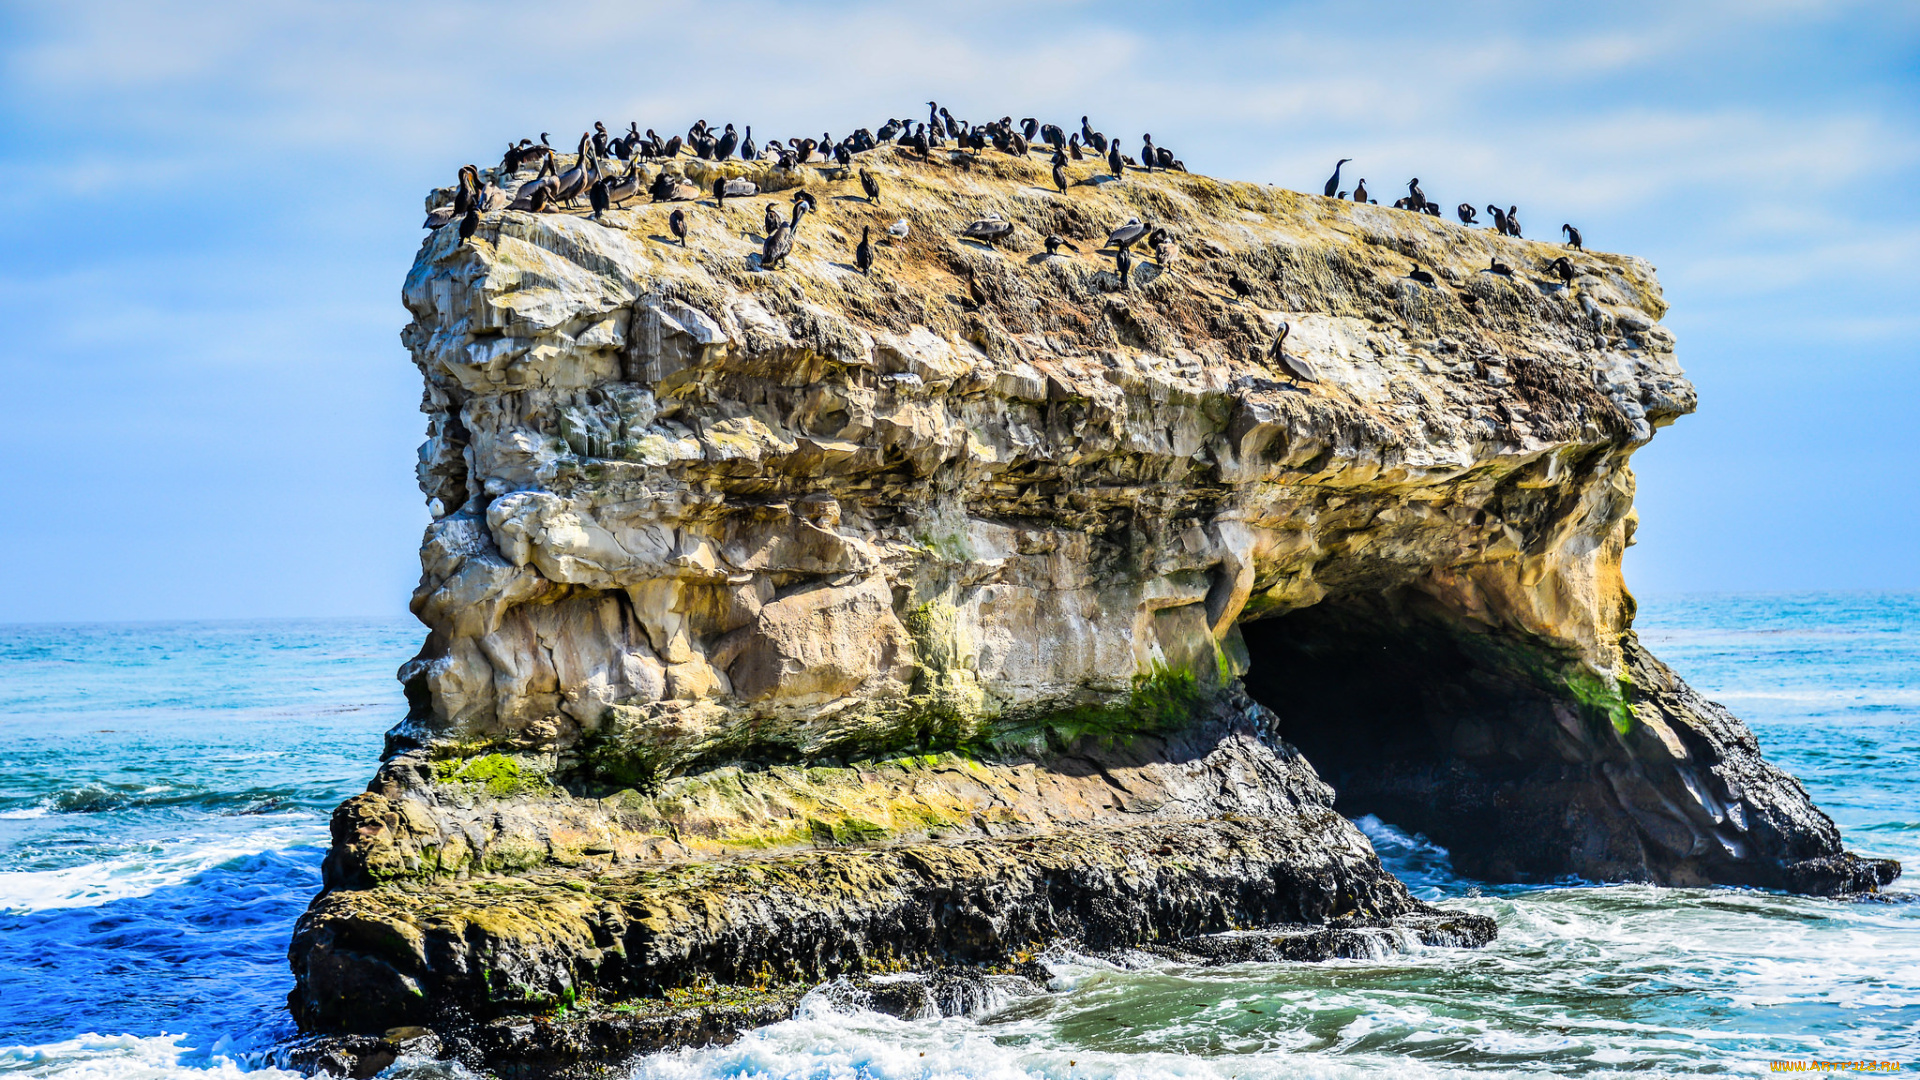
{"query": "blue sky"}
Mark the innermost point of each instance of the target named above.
(207, 412)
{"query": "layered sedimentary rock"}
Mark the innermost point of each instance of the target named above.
(791, 623)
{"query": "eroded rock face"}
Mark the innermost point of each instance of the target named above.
(963, 562)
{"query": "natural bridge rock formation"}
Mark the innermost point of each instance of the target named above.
(797, 623)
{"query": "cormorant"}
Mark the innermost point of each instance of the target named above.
(1148, 159)
(1055, 242)
(1495, 266)
(1127, 235)
(1513, 221)
(723, 149)
(1086, 131)
(772, 220)
(863, 255)
(1573, 237)
(748, 151)
(1060, 177)
(677, 224)
(1116, 162)
(920, 144)
(1029, 128)
(975, 293)
(1239, 285)
(470, 223)
(778, 244)
(597, 198)
(1421, 276)
(1123, 265)
(1333, 182)
(1416, 199)
(1467, 213)
(1360, 191)
(870, 184)
(1073, 148)
(1563, 270)
(802, 195)
(600, 138)
(1499, 219)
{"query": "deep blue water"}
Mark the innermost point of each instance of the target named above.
(163, 811)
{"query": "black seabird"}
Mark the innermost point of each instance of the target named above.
(1467, 213)
(1573, 237)
(1333, 182)
(863, 255)
(870, 184)
(778, 244)
(1360, 190)
(1421, 276)
(1116, 162)
(1055, 242)
(677, 225)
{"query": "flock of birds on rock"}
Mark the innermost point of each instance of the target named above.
(606, 172)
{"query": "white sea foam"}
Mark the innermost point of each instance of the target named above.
(26, 813)
(127, 1057)
(138, 874)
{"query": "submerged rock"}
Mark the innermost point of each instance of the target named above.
(806, 625)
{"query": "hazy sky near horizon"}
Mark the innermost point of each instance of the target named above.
(207, 411)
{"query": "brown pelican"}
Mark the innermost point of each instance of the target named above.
(1126, 235)
(1296, 368)
(991, 229)
(540, 187)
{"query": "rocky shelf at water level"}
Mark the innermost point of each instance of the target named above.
(800, 625)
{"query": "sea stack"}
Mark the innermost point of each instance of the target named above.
(786, 627)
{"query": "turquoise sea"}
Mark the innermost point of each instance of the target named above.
(163, 809)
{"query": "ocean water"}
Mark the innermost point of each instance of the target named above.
(163, 812)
